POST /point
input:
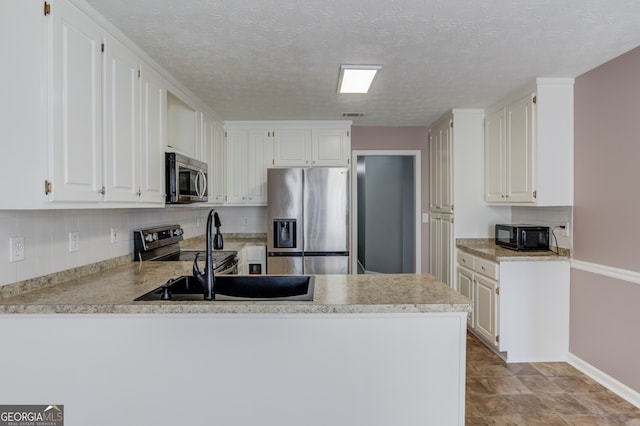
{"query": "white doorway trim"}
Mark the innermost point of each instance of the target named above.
(417, 173)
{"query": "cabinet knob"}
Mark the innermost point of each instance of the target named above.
(101, 191)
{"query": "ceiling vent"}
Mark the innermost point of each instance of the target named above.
(352, 114)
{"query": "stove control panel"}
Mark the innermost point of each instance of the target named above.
(147, 239)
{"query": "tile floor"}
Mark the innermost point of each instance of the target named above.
(546, 394)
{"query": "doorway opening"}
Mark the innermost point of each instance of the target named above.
(386, 212)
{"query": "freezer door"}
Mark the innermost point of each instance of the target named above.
(284, 265)
(326, 264)
(326, 209)
(284, 210)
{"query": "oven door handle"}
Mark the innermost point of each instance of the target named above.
(201, 184)
(229, 270)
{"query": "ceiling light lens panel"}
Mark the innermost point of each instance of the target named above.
(356, 80)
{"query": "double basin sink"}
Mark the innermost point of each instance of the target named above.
(237, 287)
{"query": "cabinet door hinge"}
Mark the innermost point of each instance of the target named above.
(451, 124)
(47, 187)
(138, 72)
(225, 133)
(535, 194)
(47, 8)
(348, 133)
(498, 291)
(102, 47)
(535, 99)
(498, 339)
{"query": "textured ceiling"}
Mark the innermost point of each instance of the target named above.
(279, 59)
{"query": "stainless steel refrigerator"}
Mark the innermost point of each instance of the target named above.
(308, 221)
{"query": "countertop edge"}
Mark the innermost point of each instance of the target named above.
(486, 249)
(234, 308)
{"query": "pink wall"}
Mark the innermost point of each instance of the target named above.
(400, 138)
(604, 310)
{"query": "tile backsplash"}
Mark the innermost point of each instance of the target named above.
(46, 234)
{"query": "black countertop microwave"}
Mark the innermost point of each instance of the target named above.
(523, 237)
(186, 179)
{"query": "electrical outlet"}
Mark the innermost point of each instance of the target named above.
(74, 241)
(16, 249)
(245, 220)
(565, 231)
(114, 235)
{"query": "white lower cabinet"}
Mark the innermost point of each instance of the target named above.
(441, 229)
(486, 302)
(465, 287)
(477, 280)
(520, 307)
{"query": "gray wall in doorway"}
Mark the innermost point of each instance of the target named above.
(386, 208)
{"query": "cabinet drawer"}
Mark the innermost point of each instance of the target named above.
(465, 259)
(486, 267)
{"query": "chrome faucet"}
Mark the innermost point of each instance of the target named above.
(206, 278)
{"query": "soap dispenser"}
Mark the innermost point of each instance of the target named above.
(217, 240)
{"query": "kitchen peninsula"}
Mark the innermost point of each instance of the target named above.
(369, 349)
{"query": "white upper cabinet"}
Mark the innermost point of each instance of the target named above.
(495, 156)
(153, 137)
(122, 123)
(217, 165)
(330, 146)
(249, 153)
(311, 144)
(75, 144)
(97, 128)
(524, 133)
(441, 167)
(183, 127)
(292, 147)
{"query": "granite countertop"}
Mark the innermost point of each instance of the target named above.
(487, 249)
(113, 290)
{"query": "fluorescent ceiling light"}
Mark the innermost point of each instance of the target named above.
(356, 78)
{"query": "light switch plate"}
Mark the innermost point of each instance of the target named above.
(425, 217)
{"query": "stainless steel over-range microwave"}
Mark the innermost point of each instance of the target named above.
(523, 237)
(186, 179)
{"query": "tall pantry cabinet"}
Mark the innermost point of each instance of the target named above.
(457, 207)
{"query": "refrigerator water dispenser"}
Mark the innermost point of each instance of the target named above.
(284, 233)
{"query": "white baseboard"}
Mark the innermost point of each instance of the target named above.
(605, 380)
